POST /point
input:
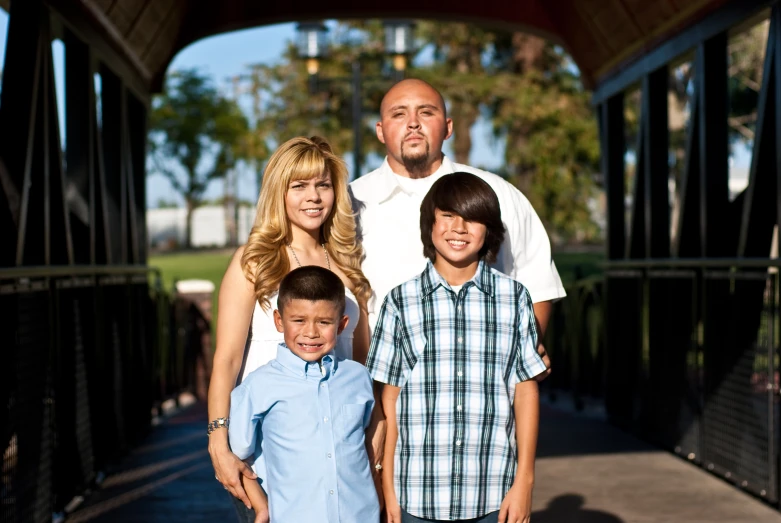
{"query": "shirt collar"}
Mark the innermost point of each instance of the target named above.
(387, 185)
(300, 367)
(483, 279)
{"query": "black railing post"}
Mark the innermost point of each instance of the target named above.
(357, 103)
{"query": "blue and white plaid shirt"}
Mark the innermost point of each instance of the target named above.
(457, 358)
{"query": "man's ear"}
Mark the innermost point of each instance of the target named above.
(380, 136)
(278, 320)
(449, 123)
(342, 324)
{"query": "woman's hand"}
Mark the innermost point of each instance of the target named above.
(228, 468)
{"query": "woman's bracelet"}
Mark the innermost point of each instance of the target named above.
(219, 423)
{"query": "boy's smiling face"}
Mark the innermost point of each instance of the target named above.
(457, 241)
(310, 328)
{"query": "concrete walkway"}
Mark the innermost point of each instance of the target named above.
(590, 472)
(587, 472)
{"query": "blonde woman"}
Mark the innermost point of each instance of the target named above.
(304, 217)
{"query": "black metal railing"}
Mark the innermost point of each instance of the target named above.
(575, 341)
(87, 354)
(685, 354)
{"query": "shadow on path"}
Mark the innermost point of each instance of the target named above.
(568, 508)
(565, 434)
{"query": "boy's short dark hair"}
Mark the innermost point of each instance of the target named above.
(311, 283)
(473, 200)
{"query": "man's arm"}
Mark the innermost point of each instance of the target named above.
(517, 504)
(542, 313)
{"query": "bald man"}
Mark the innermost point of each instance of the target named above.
(413, 126)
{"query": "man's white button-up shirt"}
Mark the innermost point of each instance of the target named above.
(388, 216)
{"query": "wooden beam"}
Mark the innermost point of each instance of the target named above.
(636, 243)
(93, 27)
(80, 100)
(114, 172)
(760, 204)
(718, 22)
(59, 240)
(102, 231)
(18, 105)
(711, 74)
(687, 239)
(613, 146)
(776, 36)
(136, 171)
(656, 164)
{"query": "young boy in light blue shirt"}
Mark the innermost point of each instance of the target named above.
(306, 412)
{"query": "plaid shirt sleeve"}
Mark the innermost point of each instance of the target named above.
(527, 362)
(387, 361)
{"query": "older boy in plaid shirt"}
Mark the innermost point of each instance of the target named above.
(455, 350)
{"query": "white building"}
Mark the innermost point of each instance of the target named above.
(166, 227)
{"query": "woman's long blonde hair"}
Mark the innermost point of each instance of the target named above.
(265, 261)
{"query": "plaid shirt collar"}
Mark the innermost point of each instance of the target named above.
(483, 280)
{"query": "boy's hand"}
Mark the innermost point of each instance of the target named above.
(517, 505)
(546, 360)
(375, 438)
(392, 510)
(262, 515)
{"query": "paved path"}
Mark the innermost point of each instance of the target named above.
(587, 472)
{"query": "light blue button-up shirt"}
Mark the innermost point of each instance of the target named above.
(307, 419)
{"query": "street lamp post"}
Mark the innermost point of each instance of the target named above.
(357, 117)
(312, 47)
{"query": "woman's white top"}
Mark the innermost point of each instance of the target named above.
(265, 338)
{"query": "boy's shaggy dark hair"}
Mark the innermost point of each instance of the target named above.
(311, 283)
(473, 200)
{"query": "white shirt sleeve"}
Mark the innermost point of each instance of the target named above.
(528, 258)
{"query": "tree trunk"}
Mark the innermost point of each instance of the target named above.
(188, 228)
(521, 172)
(464, 116)
(230, 207)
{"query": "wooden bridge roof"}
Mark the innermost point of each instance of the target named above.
(602, 36)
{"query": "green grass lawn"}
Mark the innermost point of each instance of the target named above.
(570, 263)
(200, 265)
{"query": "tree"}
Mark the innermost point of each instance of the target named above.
(552, 144)
(293, 106)
(459, 72)
(195, 136)
(532, 92)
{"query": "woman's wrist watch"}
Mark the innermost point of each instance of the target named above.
(219, 423)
